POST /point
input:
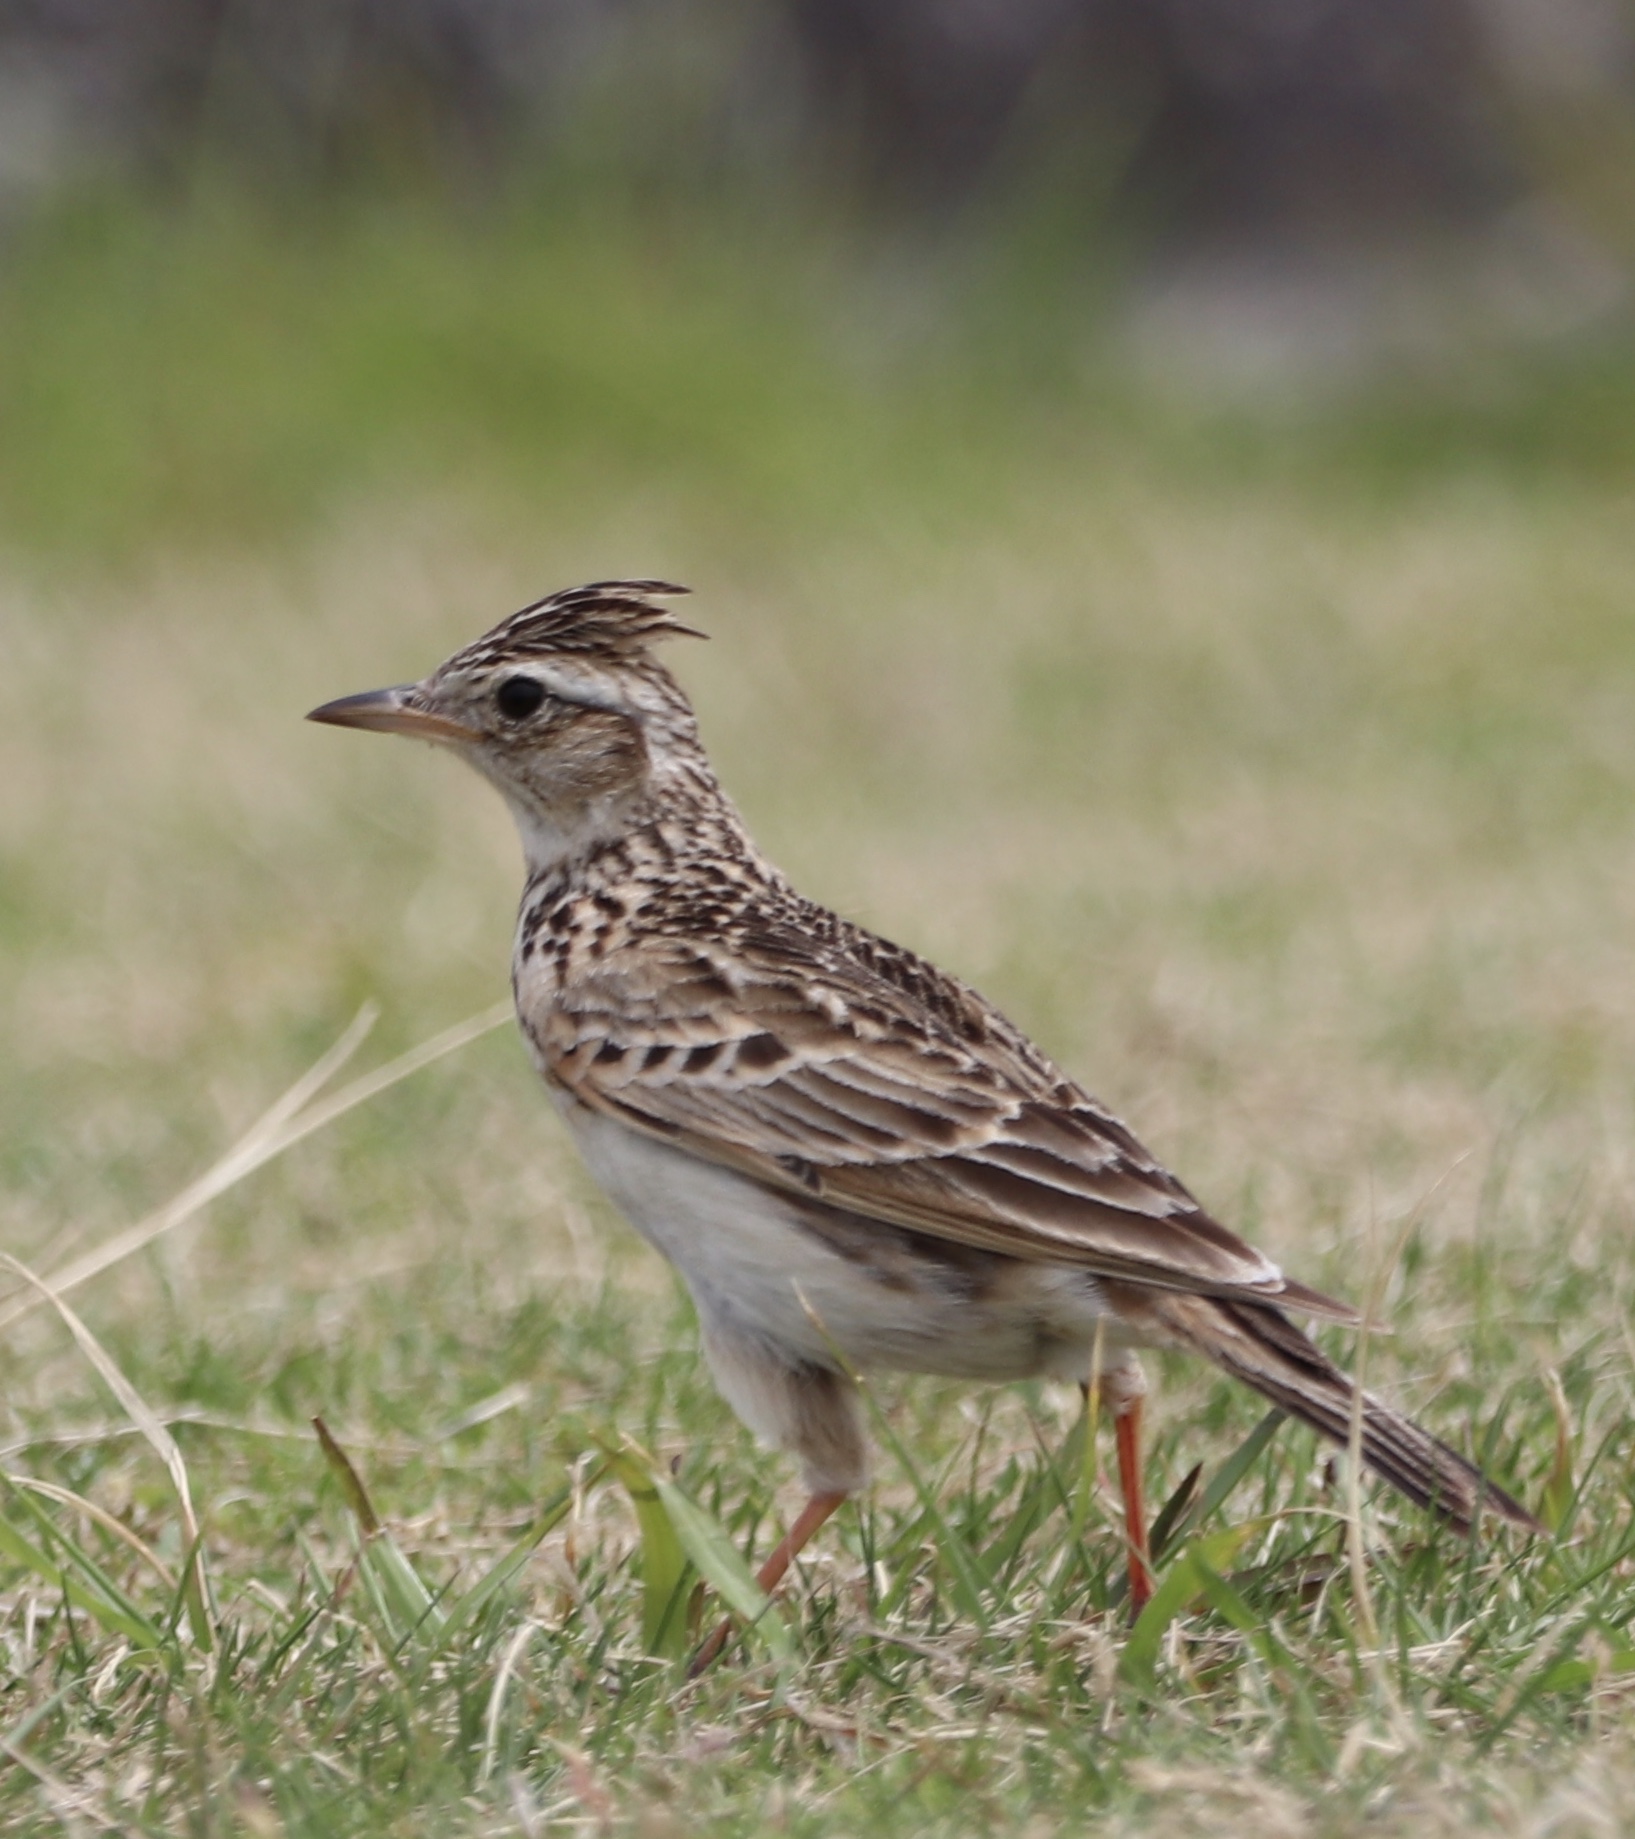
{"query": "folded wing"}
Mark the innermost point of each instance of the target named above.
(854, 1071)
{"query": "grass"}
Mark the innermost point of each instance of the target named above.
(1275, 771)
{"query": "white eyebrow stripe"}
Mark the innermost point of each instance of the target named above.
(587, 689)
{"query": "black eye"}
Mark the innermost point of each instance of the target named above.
(519, 696)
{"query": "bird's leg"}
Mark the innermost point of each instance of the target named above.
(1125, 1386)
(811, 1517)
(1127, 1425)
(771, 1574)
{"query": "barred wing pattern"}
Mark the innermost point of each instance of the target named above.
(808, 1066)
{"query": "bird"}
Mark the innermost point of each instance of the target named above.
(855, 1161)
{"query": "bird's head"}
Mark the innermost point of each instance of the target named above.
(563, 706)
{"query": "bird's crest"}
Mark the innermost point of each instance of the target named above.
(605, 618)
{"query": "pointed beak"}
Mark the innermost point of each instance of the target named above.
(391, 712)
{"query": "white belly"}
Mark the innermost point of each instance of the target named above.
(755, 1271)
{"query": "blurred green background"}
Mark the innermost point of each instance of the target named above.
(261, 264)
(1160, 480)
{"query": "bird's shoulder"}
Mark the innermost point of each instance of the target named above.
(722, 959)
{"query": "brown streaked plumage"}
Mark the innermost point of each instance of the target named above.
(853, 1159)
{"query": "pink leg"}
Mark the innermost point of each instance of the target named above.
(1127, 1424)
(771, 1574)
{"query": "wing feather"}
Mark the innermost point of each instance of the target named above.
(850, 1086)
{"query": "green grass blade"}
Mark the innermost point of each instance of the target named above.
(116, 1528)
(1573, 1674)
(465, 1607)
(89, 1568)
(1554, 1673)
(157, 1435)
(398, 1587)
(1180, 1584)
(1560, 1490)
(718, 1562)
(1175, 1513)
(506, 1567)
(1303, 1719)
(1231, 1472)
(191, 1593)
(1045, 1490)
(1224, 1599)
(97, 1597)
(24, 1728)
(973, 1584)
(406, 1591)
(664, 1560)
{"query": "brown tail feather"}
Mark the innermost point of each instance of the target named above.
(1262, 1347)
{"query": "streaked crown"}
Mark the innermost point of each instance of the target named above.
(611, 619)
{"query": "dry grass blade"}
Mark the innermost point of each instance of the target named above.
(357, 1496)
(496, 1698)
(110, 1523)
(370, 1085)
(248, 1153)
(285, 1123)
(164, 1445)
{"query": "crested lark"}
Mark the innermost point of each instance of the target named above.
(839, 1146)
